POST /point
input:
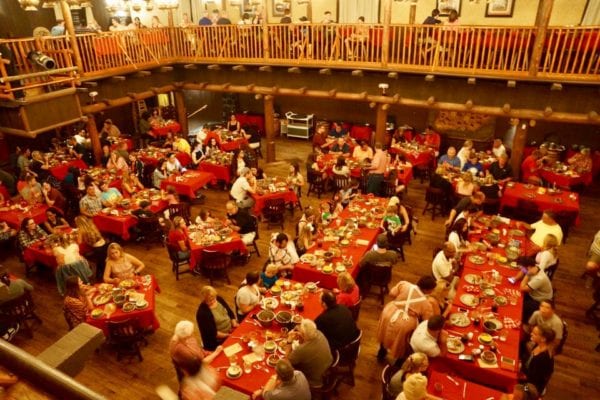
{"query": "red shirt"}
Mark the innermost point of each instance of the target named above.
(349, 299)
(176, 236)
(433, 140)
(529, 167)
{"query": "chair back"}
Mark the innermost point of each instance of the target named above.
(380, 274)
(18, 309)
(551, 270)
(340, 181)
(386, 377)
(355, 309)
(349, 353)
(274, 206)
(389, 188)
(215, 260)
(181, 209)
(528, 211)
(433, 194)
(561, 343)
(255, 227)
(127, 330)
(149, 227)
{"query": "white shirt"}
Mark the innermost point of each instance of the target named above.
(422, 341)
(545, 259)
(239, 189)
(463, 155)
(498, 151)
(441, 266)
(542, 229)
(541, 287)
(173, 167)
(70, 253)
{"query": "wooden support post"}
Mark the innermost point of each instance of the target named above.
(270, 127)
(412, 14)
(380, 123)
(541, 22)
(385, 40)
(181, 112)
(265, 32)
(518, 147)
(70, 28)
(170, 18)
(92, 129)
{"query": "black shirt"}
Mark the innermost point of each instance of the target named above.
(243, 220)
(337, 325)
(431, 21)
(490, 191)
(500, 173)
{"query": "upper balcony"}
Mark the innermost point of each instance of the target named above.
(558, 54)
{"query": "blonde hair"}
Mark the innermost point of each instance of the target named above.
(467, 177)
(439, 290)
(393, 202)
(345, 282)
(468, 143)
(117, 246)
(207, 291)
(551, 244)
(88, 230)
(305, 233)
(391, 209)
(415, 387)
(415, 363)
(271, 268)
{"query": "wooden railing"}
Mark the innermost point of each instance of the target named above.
(567, 54)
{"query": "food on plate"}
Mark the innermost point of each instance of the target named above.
(345, 242)
(102, 299)
(128, 307)
(488, 357)
(141, 304)
(234, 371)
(273, 359)
(110, 308)
(460, 319)
(311, 286)
(339, 269)
(308, 258)
(485, 338)
(265, 317)
(270, 303)
(275, 289)
(500, 300)
(455, 346)
(105, 287)
(328, 269)
(476, 259)
(283, 317)
(127, 283)
(270, 346)
(473, 279)
(469, 300)
(97, 313)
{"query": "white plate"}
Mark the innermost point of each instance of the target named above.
(473, 279)
(469, 300)
(234, 372)
(455, 346)
(308, 258)
(269, 303)
(460, 319)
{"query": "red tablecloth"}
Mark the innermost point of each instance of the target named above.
(329, 161)
(233, 144)
(453, 391)
(161, 131)
(220, 171)
(61, 170)
(120, 225)
(248, 383)
(304, 272)
(4, 192)
(129, 142)
(37, 254)
(289, 196)
(416, 158)
(556, 202)
(361, 132)
(235, 244)
(184, 158)
(146, 317)
(565, 181)
(189, 183)
(14, 217)
(252, 119)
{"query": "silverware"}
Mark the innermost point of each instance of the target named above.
(452, 380)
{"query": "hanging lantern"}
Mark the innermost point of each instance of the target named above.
(136, 5)
(86, 4)
(29, 5)
(74, 4)
(49, 4)
(149, 5)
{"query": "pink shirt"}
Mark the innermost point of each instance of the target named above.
(349, 299)
(379, 163)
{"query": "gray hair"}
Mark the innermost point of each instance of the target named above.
(183, 329)
(308, 329)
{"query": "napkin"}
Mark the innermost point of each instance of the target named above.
(233, 349)
(251, 358)
(362, 242)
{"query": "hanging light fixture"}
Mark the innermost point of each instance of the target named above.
(136, 5)
(29, 5)
(49, 4)
(149, 5)
(167, 4)
(74, 4)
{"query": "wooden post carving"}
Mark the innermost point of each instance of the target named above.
(270, 127)
(542, 20)
(518, 148)
(380, 123)
(181, 111)
(92, 129)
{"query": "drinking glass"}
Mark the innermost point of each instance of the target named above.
(247, 367)
(233, 360)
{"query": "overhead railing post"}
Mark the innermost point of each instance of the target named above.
(541, 22)
(70, 28)
(385, 40)
(265, 33)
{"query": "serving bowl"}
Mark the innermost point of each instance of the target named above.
(265, 317)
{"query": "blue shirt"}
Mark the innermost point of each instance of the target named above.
(343, 149)
(468, 165)
(455, 162)
(57, 30)
(205, 21)
(110, 195)
(337, 134)
(268, 282)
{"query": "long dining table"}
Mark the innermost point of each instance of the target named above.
(14, 214)
(224, 244)
(188, 183)
(358, 245)
(250, 329)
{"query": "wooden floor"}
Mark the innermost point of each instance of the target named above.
(576, 375)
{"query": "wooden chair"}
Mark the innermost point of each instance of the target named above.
(395, 241)
(181, 209)
(330, 381)
(256, 237)
(386, 376)
(126, 336)
(21, 310)
(150, 230)
(559, 348)
(348, 357)
(423, 171)
(389, 189)
(215, 262)
(411, 223)
(355, 309)
(274, 212)
(316, 184)
(176, 263)
(340, 181)
(434, 201)
(380, 275)
(551, 270)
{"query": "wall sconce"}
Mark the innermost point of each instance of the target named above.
(383, 87)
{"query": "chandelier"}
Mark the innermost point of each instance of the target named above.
(167, 4)
(32, 5)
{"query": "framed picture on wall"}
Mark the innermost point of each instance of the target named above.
(500, 8)
(446, 5)
(279, 7)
